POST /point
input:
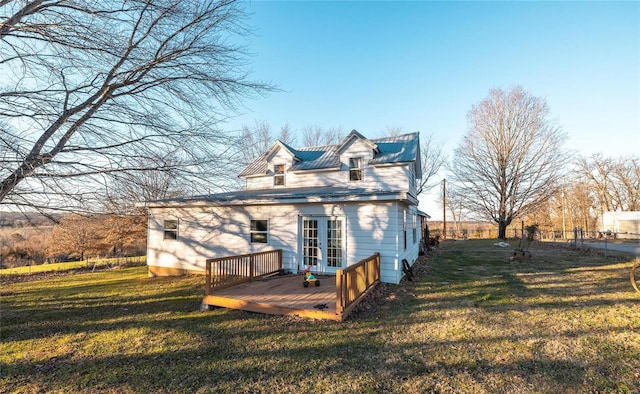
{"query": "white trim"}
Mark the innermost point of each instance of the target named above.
(314, 170)
(381, 196)
(283, 175)
(279, 144)
(260, 232)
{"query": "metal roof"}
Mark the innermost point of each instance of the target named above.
(293, 195)
(397, 149)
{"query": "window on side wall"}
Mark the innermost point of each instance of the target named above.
(404, 227)
(259, 230)
(171, 229)
(415, 230)
(355, 169)
(278, 175)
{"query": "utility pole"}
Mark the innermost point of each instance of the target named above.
(444, 209)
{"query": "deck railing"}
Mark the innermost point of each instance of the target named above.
(354, 281)
(228, 271)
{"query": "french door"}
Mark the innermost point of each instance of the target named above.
(323, 246)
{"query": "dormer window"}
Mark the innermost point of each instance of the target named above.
(278, 175)
(355, 169)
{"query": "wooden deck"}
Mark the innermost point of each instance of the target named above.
(281, 295)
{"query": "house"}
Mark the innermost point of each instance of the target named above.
(326, 207)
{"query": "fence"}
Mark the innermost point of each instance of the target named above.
(93, 263)
(543, 235)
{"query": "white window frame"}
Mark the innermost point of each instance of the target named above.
(279, 175)
(256, 231)
(359, 169)
(170, 228)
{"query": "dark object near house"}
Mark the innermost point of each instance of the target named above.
(407, 269)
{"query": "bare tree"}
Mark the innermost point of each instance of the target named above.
(615, 182)
(511, 158)
(257, 140)
(96, 88)
(75, 234)
(391, 131)
(318, 136)
(433, 158)
(455, 204)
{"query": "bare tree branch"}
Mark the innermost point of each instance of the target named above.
(511, 158)
(95, 88)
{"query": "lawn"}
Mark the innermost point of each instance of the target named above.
(75, 265)
(473, 321)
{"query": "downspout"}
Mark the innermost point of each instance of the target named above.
(397, 242)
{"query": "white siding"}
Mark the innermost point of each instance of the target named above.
(223, 231)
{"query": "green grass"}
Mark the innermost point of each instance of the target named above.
(72, 265)
(565, 321)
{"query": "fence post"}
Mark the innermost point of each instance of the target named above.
(207, 286)
(251, 267)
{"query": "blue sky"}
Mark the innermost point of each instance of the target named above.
(420, 66)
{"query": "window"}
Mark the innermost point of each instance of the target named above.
(259, 230)
(355, 169)
(404, 227)
(415, 230)
(278, 175)
(171, 229)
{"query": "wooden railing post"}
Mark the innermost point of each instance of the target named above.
(339, 292)
(207, 286)
(251, 266)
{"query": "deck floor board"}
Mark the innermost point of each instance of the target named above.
(285, 293)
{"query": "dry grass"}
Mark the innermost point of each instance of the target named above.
(473, 321)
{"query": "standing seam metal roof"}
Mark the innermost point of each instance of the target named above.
(396, 149)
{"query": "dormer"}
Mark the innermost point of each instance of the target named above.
(355, 152)
(281, 147)
(354, 136)
(280, 158)
(385, 163)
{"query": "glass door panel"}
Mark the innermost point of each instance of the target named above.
(334, 243)
(310, 242)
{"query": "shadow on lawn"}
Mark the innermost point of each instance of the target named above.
(489, 279)
(241, 364)
(381, 350)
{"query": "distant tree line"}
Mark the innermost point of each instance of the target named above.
(75, 237)
(590, 186)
